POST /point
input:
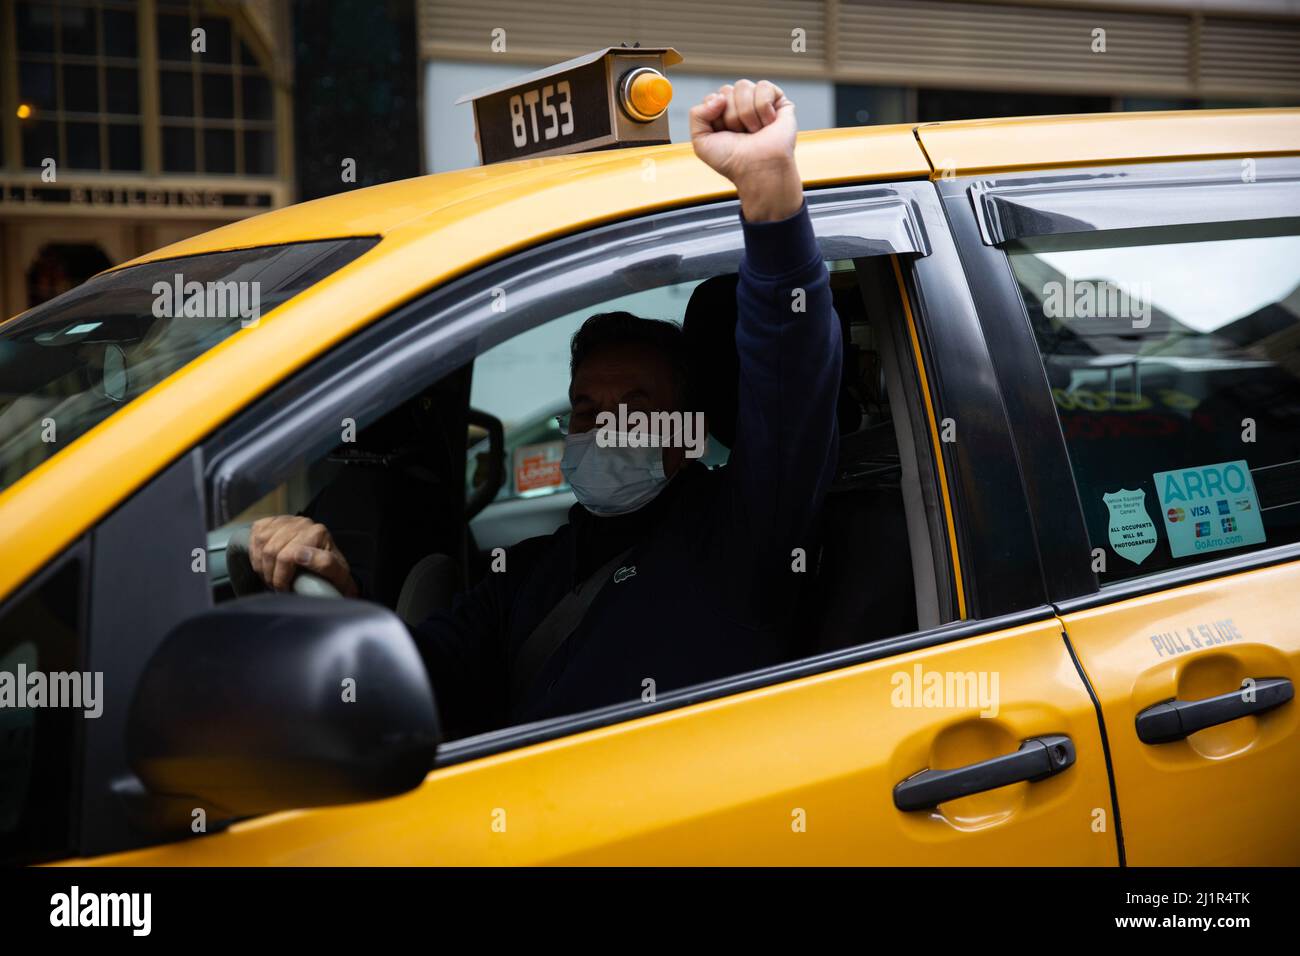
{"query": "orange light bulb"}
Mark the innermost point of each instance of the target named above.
(650, 94)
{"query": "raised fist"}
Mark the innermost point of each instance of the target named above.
(746, 132)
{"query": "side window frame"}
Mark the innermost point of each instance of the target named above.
(78, 556)
(446, 329)
(147, 578)
(971, 367)
(138, 576)
(982, 212)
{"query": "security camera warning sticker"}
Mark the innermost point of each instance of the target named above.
(1132, 532)
(1209, 508)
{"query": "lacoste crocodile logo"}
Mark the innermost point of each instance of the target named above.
(622, 574)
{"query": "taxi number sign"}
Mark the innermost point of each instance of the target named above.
(545, 116)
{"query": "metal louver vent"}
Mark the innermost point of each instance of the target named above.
(1250, 58)
(934, 43)
(727, 35)
(1041, 46)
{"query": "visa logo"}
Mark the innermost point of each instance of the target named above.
(1199, 511)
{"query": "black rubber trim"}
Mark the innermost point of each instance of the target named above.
(1105, 748)
(1037, 204)
(1177, 577)
(511, 738)
(883, 299)
(1001, 570)
(1042, 458)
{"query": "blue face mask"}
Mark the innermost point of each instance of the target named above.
(611, 480)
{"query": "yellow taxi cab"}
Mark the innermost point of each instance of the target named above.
(1051, 620)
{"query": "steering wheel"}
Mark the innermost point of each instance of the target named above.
(246, 581)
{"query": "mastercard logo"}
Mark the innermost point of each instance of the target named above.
(1175, 514)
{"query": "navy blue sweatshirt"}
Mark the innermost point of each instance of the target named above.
(714, 584)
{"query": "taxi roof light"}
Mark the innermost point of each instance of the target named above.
(646, 94)
(613, 97)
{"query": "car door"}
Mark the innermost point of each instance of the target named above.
(971, 740)
(1153, 312)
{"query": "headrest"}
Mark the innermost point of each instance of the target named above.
(712, 364)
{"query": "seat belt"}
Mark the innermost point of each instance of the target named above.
(558, 626)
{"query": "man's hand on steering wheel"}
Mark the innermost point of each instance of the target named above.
(282, 545)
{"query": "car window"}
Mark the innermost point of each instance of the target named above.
(525, 383)
(1173, 355)
(497, 347)
(70, 363)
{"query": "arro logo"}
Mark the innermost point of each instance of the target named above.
(1191, 498)
(1206, 482)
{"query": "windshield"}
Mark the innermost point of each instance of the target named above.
(68, 364)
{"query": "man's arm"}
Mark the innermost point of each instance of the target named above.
(790, 347)
(464, 657)
(461, 648)
(787, 335)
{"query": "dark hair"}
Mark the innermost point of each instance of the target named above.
(624, 328)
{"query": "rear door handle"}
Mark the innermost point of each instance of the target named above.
(1037, 758)
(1178, 719)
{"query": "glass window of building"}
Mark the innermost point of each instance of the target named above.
(215, 100)
(83, 77)
(79, 84)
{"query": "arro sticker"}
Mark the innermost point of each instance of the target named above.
(1209, 508)
(1132, 532)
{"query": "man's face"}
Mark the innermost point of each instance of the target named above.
(637, 376)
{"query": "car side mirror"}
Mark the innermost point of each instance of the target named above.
(492, 464)
(278, 701)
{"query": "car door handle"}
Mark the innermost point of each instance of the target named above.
(1178, 719)
(1038, 757)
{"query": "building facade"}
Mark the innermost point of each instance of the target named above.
(129, 124)
(853, 62)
